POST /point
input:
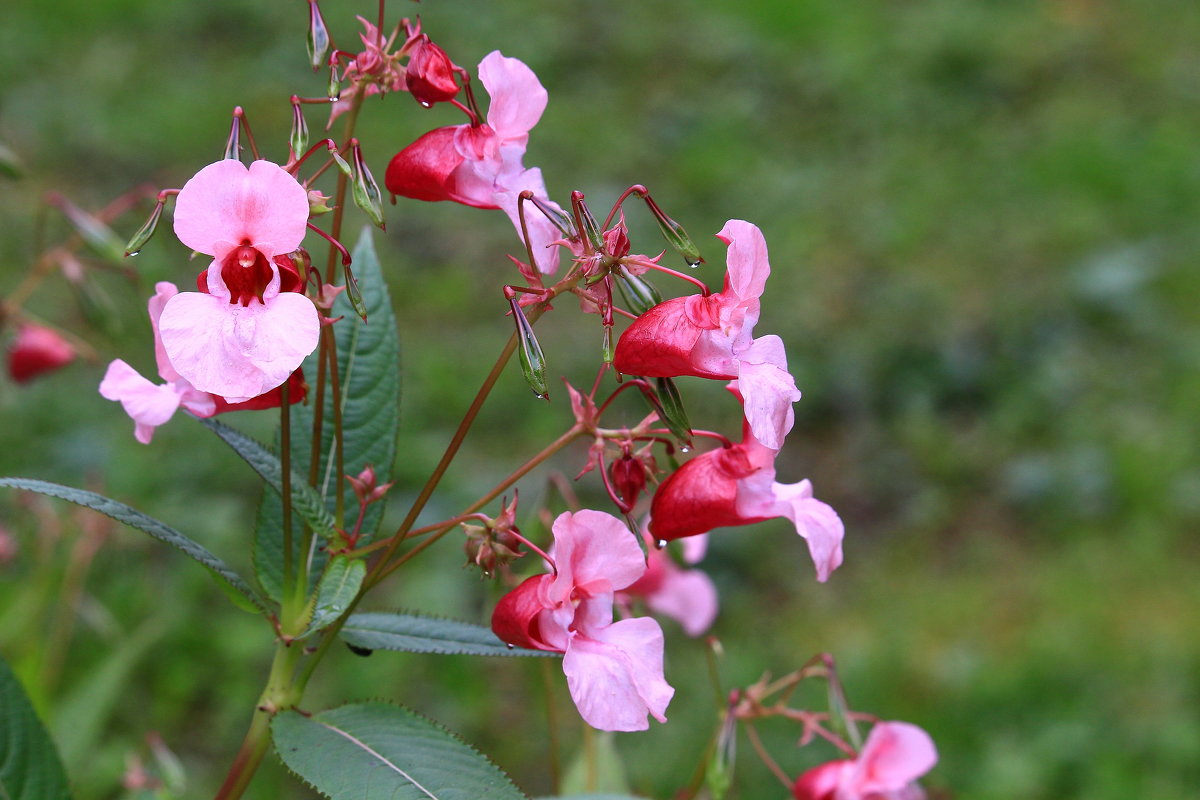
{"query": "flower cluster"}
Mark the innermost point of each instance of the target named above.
(894, 756)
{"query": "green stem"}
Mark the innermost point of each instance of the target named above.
(281, 692)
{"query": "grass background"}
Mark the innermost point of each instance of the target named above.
(982, 223)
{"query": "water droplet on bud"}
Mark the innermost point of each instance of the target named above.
(660, 544)
(131, 255)
(510, 646)
(425, 103)
(684, 449)
(693, 263)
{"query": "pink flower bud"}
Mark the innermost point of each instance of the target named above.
(37, 350)
(629, 480)
(430, 74)
(365, 488)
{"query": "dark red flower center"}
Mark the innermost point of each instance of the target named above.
(246, 274)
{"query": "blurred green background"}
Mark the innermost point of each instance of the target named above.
(982, 222)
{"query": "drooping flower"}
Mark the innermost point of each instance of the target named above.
(736, 485)
(614, 669)
(245, 336)
(480, 165)
(36, 351)
(894, 756)
(712, 337)
(151, 405)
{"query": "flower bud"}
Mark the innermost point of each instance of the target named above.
(673, 414)
(533, 362)
(674, 233)
(637, 292)
(429, 76)
(318, 36)
(366, 191)
(365, 488)
(37, 350)
(318, 203)
(139, 239)
(628, 479)
(299, 136)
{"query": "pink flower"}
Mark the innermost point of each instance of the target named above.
(711, 337)
(481, 165)
(894, 756)
(736, 485)
(36, 351)
(244, 337)
(687, 596)
(151, 405)
(614, 669)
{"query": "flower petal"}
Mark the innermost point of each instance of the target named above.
(236, 351)
(817, 522)
(687, 596)
(147, 405)
(746, 258)
(894, 755)
(227, 202)
(594, 552)
(615, 675)
(768, 391)
(542, 232)
(163, 291)
(517, 96)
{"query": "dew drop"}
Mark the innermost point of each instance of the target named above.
(684, 449)
(660, 544)
(510, 646)
(693, 263)
(425, 103)
(131, 255)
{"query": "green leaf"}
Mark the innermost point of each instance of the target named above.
(336, 591)
(415, 633)
(375, 751)
(305, 501)
(136, 519)
(592, 797)
(29, 765)
(369, 368)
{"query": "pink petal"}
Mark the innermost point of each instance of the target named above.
(694, 548)
(819, 524)
(226, 202)
(615, 675)
(746, 258)
(895, 754)
(235, 351)
(163, 291)
(687, 596)
(147, 405)
(768, 391)
(518, 98)
(595, 552)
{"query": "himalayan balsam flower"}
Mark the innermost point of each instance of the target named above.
(151, 405)
(736, 485)
(36, 351)
(245, 336)
(712, 337)
(614, 669)
(894, 756)
(481, 165)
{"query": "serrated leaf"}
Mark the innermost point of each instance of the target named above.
(369, 368)
(374, 751)
(147, 524)
(415, 633)
(305, 501)
(336, 591)
(29, 766)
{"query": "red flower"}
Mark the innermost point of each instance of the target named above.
(37, 350)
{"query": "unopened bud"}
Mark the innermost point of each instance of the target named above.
(36, 351)
(533, 362)
(638, 293)
(616, 241)
(139, 239)
(365, 190)
(590, 226)
(318, 203)
(299, 138)
(675, 235)
(628, 479)
(318, 36)
(429, 75)
(98, 236)
(673, 414)
(365, 488)
(606, 345)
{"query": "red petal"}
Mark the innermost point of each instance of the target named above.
(422, 170)
(515, 619)
(701, 495)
